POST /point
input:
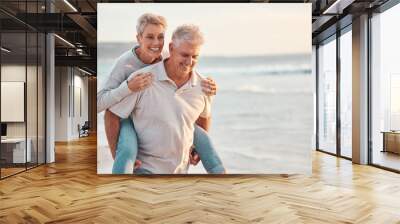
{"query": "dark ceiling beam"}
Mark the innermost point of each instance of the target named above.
(77, 61)
(49, 22)
(337, 7)
(325, 26)
(331, 30)
(17, 20)
(91, 5)
(54, 22)
(11, 25)
(381, 6)
(86, 69)
(321, 22)
(86, 26)
(86, 51)
(64, 7)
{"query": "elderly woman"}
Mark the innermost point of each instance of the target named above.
(121, 134)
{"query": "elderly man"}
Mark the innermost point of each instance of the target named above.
(164, 114)
(121, 133)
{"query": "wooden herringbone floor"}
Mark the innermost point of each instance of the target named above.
(70, 191)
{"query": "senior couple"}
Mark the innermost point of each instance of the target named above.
(157, 110)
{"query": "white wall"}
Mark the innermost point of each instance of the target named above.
(80, 84)
(14, 73)
(61, 103)
(33, 126)
(70, 83)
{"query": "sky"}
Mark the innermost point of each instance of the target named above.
(230, 29)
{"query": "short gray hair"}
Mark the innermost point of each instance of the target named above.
(149, 18)
(187, 32)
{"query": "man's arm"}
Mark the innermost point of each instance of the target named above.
(112, 118)
(204, 122)
(204, 119)
(112, 125)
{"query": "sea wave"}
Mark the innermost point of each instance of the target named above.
(259, 89)
(257, 69)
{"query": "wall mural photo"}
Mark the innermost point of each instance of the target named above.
(204, 89)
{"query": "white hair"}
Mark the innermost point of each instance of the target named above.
(187, 32)
(149, 18)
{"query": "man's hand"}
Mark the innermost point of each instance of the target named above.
(140, 82)
(137, 165)
(209, 86)
(194, 158)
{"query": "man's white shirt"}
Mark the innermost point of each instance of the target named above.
(164, 118)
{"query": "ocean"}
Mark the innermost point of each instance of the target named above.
(262, 115)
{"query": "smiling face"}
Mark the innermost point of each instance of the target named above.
(184, 57)
(151, 41)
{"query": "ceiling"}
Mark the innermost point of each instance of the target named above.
(76, 22)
